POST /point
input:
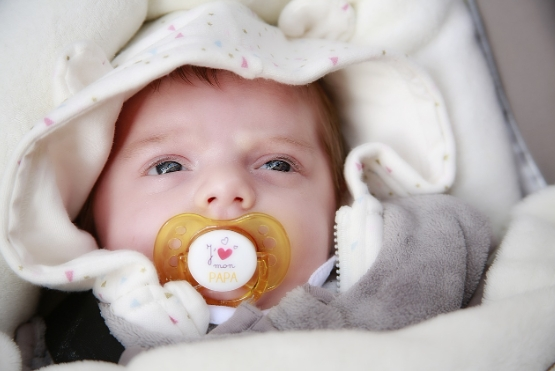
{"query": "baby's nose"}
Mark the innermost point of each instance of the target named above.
(225, 194)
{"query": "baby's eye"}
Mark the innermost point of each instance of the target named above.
(165, 167)
(278, 165)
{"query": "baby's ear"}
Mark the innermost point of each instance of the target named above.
(79, 65)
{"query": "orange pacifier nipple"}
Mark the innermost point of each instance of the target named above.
(227, 261)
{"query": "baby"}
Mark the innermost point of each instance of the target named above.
(208, 142)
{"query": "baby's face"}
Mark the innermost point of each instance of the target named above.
(221, 152)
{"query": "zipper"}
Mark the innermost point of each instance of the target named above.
(358, 235)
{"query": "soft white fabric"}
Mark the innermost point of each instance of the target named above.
(526, 259)
(10, 358)
(376, 170)
(400, 157)
(514, 332)
(322, 273)
(485, 166)
(18, 299)
(358, 235)
(219, 314)
(32, 35)
(440, 36)
(91, 91)
(269, 11)
(330, 19)
(135, 295)
(358, 228)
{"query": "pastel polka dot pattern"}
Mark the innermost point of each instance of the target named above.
(241, 43)
(69, 275)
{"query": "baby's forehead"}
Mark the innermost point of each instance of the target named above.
(192, 90)
(160, 92)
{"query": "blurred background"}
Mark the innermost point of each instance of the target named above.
(522, 36)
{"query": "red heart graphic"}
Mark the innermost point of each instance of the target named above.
(224, 253)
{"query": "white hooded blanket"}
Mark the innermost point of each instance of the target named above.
(415, 149)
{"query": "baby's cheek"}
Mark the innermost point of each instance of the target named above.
(142, 239)
(130, 233)
(312, 249)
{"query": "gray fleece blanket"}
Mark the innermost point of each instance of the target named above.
(433, 255)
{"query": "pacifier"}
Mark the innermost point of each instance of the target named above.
(226, 261)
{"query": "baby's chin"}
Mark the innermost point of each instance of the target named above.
(272, 298)
(225, 295)
(266, 301)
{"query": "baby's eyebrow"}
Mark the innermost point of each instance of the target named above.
(130, 150)
(136, 146)
(297, 143)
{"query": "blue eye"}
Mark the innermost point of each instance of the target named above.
(165, 167)
(277, 165)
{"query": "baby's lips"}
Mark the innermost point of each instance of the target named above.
(227, 261)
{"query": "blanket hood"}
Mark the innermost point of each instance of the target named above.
(389, 106)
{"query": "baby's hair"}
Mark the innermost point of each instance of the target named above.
(330, 128)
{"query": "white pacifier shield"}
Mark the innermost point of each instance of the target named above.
(222, 260)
